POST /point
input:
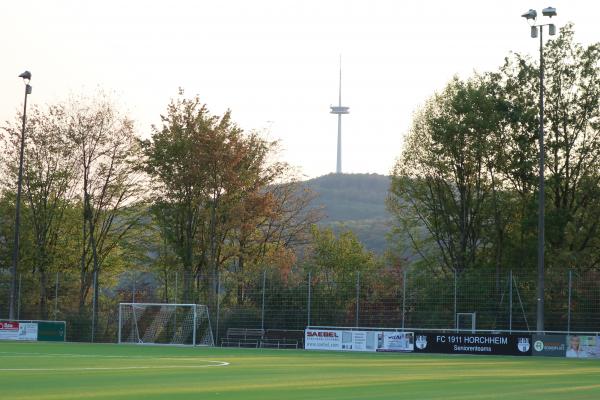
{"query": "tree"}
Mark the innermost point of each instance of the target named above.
(440, 186)
(175, 169)
(219, 197)
(49, 178)
(336, 265)
(338, 257)
(573, 147)
(106, 151)
(467, 178)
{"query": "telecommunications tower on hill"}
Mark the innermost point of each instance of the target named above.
(339, 110)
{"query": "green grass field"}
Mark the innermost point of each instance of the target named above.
(84, 371)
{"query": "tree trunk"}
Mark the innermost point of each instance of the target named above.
(240, 288)
(82, 274)
(43, 294)
(212, 257)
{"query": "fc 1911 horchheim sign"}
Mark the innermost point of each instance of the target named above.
(484, 344)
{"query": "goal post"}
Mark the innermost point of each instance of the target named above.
(466, 320)
(165, 323)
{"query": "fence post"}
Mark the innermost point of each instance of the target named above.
(94, 300)
(357, 294)
(510, 300)
(176, 291)
(455, 301)
(404, 275)
(218, 308)
(166, 291)
(120, 322)
(569, 301)
(308, 300)
(262, 318)
(56, 297)
(133, 288)
(195, 324)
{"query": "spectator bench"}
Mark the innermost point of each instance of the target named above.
(258, 338)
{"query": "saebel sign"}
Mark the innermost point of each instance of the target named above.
(324, 339)
(485, 344)
(317, 339)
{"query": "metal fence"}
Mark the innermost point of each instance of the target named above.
(271, 300)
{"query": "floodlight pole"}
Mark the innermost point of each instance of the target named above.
(15, 256)
(541, 200)
(532, 15)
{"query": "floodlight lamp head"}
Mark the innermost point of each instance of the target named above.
(549, 12)
(531, 14)
(26, 76)
(534, 32)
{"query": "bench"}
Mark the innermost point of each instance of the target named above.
(278, 344)
(282, 339)
(242, 337)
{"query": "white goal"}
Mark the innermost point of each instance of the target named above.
(157, 323)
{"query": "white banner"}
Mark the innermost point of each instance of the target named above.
(28, 331)
(397, 341)
(360, 340)
(320, 339)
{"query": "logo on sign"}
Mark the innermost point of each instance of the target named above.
(421, 342)
(9, 326)
(523, 345)
(538, 345)
(322, 334)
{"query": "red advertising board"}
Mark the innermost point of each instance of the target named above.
(9, 330)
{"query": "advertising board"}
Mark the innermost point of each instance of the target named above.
(351, 340)
(484, 344)
(549, 345)
(28, 331)
(397, 341)
(582, 346)
(360, 340)
(11, 330)
(573, 346)
(52, 331)
(323, 339)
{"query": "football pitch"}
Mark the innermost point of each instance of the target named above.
(60, 371)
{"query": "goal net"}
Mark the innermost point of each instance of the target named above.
(155, 323)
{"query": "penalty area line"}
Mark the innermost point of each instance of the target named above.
(5, 354)
(215, 364)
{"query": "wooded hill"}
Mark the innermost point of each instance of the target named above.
(355, 202)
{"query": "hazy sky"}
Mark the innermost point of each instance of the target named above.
(273, 63)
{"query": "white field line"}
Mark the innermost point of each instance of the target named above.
(215, 364)
(4, 354)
